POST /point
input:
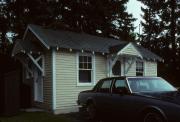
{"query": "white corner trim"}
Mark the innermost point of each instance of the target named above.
(94, 68)
(40, 39)
(122, 67)
(77, 68)
(127, 46)
(53, 79)
(107, 67)
(145, 67)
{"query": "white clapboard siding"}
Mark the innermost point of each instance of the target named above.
(130, 50)
(150, 68)
(101, 67)
(66, 79)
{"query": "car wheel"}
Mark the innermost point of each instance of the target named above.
(153, 117)
(92, 112)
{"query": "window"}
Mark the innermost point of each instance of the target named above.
(139, 68)
(85, 69)
(105, 87)
(149, 85)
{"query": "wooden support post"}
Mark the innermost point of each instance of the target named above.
(132, 60)
(35, 61)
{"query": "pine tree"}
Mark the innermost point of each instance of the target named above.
(109, 17)
(15, 15)
(4, 26)
(26, 12)
(160, 32)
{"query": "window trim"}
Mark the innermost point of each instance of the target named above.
(143, 67)
(93, 76)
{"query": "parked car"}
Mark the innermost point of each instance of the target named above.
(144, 99)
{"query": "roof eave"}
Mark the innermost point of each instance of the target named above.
(39, 38)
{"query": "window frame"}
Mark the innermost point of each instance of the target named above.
(140, 67)
(93, 77)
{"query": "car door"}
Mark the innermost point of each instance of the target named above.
(103, 95)
(120, 102)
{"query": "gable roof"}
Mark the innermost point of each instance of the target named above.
(82, 41)
(73, 40)
(146, 54)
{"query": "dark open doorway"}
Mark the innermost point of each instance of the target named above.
(116, 70)
(10, 78)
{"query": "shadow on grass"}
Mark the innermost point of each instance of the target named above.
(46, 117)
(42, 117)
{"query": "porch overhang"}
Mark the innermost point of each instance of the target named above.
(27, 51)
(127, 51)
(25, 47)
(129, 59)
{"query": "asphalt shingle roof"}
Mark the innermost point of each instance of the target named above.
(73, 40)
(82, 41)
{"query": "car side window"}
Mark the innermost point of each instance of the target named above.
(105, 86)
(96, 87)
(119, 83)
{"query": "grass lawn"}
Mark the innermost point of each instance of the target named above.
(41, 117)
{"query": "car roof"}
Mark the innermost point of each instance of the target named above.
(126, 77)
(123, 77)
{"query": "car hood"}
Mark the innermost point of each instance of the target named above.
(173, 97)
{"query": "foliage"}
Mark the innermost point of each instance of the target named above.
(3, 26)
(14, 17)
(106, 18)
(161, 29)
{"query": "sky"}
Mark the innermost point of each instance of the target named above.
(134, 7)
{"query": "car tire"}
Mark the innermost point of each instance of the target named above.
(153, 117)
(92, 112)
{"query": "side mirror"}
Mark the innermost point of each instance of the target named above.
(121, 90)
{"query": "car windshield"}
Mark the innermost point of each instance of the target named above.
(150, 85)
